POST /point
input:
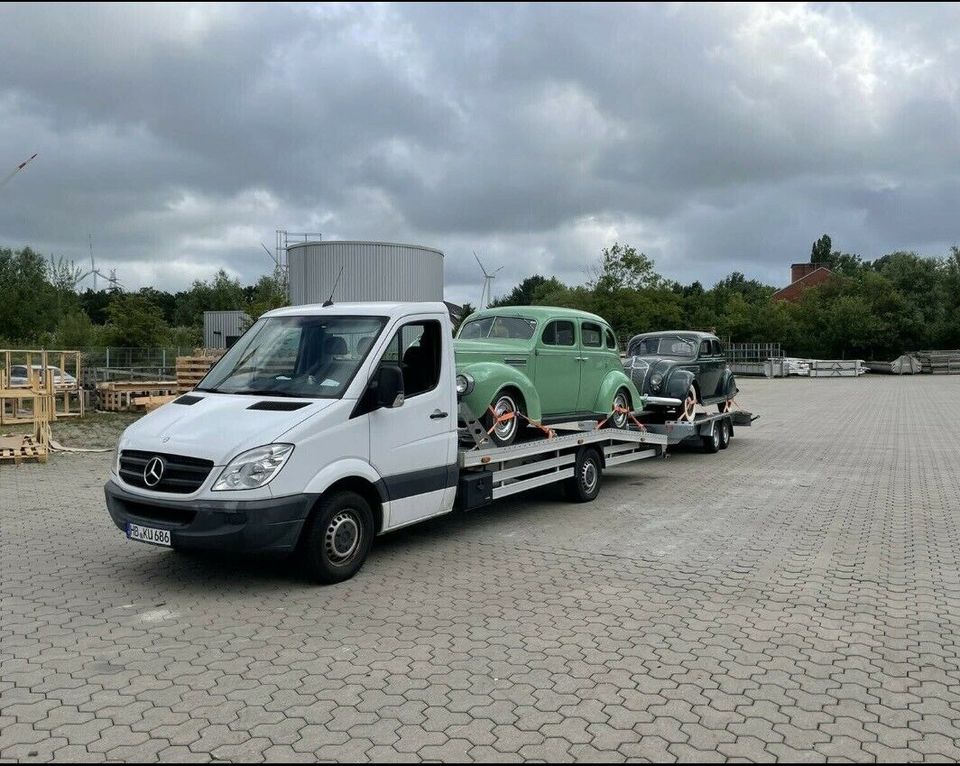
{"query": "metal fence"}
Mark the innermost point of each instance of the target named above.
(103, 364)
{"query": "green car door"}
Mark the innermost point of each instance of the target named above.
(557, 375)
(594, 364)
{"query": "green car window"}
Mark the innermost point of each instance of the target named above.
(517, 328)
(559, 332)
(612, 340)
(591, 335)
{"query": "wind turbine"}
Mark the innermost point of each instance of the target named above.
(486, 294)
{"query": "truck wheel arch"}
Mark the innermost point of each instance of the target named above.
(372, 493)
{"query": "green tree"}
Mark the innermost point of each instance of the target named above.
(623, 266)
(135, 321)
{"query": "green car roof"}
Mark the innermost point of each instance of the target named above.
(540, 313)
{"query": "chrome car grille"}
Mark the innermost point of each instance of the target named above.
(181, 475)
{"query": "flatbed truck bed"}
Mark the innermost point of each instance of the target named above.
(489, 473)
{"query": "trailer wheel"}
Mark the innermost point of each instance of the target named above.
(585, 484)
(724, 426)
(711, 443)
(338, 537)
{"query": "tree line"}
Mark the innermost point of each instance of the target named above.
(898, 303)
(869, 309)
(41, 307)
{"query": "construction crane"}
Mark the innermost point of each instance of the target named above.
(9, 176)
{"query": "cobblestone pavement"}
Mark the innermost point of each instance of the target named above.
(796, 596)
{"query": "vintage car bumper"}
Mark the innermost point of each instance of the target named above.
(662, 401)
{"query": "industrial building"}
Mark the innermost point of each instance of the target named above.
(221, 329)
(363, 271)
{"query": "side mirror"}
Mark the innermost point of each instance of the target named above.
(389, 383)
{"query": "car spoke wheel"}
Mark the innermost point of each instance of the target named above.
(689, 409)
(620, 402)
(503, 423)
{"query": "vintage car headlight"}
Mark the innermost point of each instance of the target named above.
(465, 383)
(656, 380)
(254, 468)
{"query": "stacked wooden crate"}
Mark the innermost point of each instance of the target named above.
(121, 395)
(942, 362)
(191, 369)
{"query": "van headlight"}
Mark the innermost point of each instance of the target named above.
(254, 468)
(465, 383)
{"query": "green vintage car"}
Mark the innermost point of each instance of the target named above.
(549, 364)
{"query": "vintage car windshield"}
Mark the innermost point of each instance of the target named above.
(495, 328)
(303, 356)
(664, 345)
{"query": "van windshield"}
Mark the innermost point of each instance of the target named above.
(303, 356)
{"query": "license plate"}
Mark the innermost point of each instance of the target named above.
(148, 534)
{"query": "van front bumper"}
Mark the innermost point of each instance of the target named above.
(254, 526)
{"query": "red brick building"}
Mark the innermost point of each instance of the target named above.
(802, 275)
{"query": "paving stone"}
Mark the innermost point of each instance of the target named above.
(803, 604)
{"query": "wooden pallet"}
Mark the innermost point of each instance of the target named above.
(16, 449)
(191, 370)
(121, 396)
(150, 403)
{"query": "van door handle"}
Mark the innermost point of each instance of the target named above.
(437, 415)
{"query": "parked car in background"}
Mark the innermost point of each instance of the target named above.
(18, 375)
(542, 363)
(678, 369)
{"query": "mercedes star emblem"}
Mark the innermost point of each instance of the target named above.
(153, 472)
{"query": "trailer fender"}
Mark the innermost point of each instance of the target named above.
(490, 378)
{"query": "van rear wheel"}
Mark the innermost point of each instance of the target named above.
(337, 538)
(584, 486)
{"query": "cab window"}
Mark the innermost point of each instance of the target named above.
(706, 348)
(416, 347)
(559, 332)
(591, 335)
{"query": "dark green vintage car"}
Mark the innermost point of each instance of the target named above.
(549, 364)
(678, 369)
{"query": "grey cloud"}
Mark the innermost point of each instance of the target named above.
(712, 137)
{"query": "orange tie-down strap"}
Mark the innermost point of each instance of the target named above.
(622, 411)
(508, 416)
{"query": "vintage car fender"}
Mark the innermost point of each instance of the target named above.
(490, 379)
(678, 383)
(614, 381)
(729, 385)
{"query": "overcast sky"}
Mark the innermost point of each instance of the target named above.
(714, 138)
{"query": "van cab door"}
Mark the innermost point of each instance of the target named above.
(414, 446)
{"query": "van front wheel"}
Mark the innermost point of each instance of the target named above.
(337, 538)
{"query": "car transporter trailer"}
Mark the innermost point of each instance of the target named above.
(579, 458)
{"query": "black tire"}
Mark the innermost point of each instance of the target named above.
(502, 436)
(711, 443)
(724, 426)
(337, 538)
(585, 484)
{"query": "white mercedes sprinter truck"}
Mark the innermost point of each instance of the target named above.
(325, 426)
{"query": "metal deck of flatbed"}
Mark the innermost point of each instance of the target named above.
(539, 462)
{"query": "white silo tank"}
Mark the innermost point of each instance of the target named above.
(372, 271)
